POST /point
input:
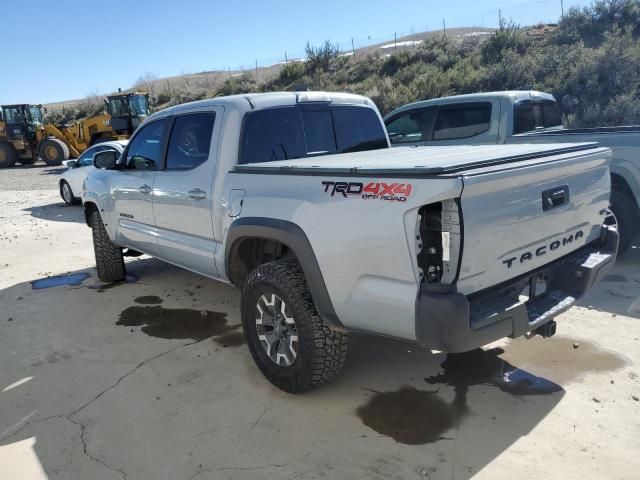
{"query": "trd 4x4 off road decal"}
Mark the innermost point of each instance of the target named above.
(398, 192)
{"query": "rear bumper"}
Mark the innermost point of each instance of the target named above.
(452, 322)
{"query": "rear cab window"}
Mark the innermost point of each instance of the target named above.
(530, 115)
(283, 133)
(462, 120)
(412, 126)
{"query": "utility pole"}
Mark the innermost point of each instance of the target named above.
(353, 49)
(444, 28)
(395, 42)
(499, 18)
(256, 70)
(286, 60)
(229, 72)
(561, 8)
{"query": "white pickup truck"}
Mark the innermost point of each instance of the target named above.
(525, 116)
(452, 247)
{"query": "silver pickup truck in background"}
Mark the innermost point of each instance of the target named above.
(523, 117)
(298, 200)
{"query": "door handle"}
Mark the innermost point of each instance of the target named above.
(555, 197)
(145, 189)
(197, 194)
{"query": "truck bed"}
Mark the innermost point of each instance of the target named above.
(412, 161)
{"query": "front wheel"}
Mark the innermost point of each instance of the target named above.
(53, 151)
(287, 338)
(67, 194)
(109, 259)
(8, 155)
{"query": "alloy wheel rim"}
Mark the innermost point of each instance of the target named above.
(66, 192)
(276, 329)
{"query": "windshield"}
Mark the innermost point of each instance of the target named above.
(139, 105)
(118, 107)
(14, 115)
(36, 115)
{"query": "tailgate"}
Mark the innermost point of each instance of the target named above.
(520, 216)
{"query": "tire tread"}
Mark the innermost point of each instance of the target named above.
(328, 347)
(109, 258)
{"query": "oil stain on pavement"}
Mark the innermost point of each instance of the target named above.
(148, 300)
(416, 417)
(178, 323)
(412, 416)
(73, 279)
(563, 359)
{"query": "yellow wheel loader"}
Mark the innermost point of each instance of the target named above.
(24, 136)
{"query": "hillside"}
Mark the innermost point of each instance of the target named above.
(590, 61)
(210, 81)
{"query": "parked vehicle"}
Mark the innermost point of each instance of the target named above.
(25, 135)
(452, 247)
(71, 180)
(523, 117)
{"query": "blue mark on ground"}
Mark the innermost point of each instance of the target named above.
(68, 279)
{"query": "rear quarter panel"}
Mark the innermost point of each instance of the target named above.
(365, 247)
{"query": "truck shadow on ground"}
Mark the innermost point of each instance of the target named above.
(428, 414)
(619, 292)
(57, 212)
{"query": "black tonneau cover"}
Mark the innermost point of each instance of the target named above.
(414, 161)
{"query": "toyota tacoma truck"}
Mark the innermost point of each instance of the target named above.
(524, 116)
(297, 200)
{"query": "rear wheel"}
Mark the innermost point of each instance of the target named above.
(109, 259)
(8, 155)
(626, 212)
(53, 151)
(67, 193)
(287, 338)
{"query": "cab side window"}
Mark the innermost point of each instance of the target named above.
(190, 141)
(412, 126)
(462, 121)
(145, 149)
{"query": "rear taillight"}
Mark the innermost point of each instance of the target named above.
(439, 242)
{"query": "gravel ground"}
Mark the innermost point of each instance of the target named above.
(30, 177)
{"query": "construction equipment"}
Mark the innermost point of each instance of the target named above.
(24, 136)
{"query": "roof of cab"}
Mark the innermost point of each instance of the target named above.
(255, 101)
(514, 95)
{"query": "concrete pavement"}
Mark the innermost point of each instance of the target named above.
(150, 379)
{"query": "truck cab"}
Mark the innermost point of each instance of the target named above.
(479, 118)
(20, 131)
(128, 111)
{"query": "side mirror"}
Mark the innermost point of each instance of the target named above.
(72, 164)
(106, 160)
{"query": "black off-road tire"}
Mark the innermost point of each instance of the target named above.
(109, 259)
(626, 212)
(321, 350)
(8, 155)
(53, 151)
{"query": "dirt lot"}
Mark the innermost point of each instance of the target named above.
(150, 379)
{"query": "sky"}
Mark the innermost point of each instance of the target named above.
(72, 49)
